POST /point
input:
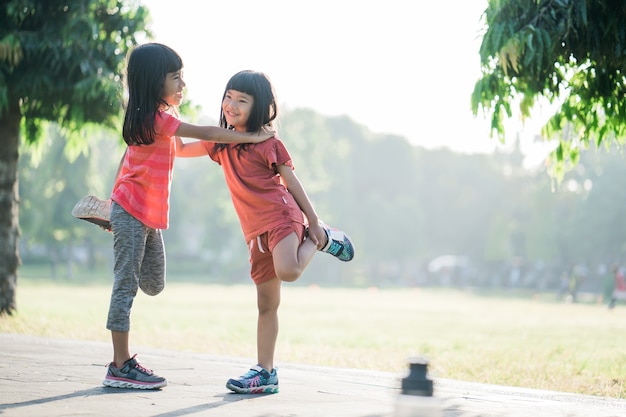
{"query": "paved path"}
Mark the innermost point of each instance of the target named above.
(53, 377)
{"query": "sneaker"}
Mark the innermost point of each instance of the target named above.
(94, 210)
(338, 245)
(256, 381)
(132, 375)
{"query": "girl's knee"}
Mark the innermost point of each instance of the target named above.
(289, 275)
(290, 278)
(152, 288)
(268, 299)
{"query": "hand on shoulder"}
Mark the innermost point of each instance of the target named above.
(265, 133)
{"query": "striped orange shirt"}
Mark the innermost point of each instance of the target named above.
(143, 185)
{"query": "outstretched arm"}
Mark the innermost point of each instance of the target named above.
(189, 149)
(221, 135)
(291, 181)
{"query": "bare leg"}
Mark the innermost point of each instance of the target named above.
(291, 258)
(121, 353)
(268, 300)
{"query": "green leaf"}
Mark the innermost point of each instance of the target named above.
(563, 49)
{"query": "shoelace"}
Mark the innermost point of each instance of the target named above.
(139, 367)
(143, 369)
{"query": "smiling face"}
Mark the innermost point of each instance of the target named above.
(236, 107)
(173, 88)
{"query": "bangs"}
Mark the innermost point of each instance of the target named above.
(243, 82)
(173, 62)
(256, 84)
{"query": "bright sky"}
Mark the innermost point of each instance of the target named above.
(394, 66)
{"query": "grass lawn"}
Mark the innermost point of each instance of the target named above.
(532, 342)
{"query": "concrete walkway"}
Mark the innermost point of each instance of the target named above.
(52, 377)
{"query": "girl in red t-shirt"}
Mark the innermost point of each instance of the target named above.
(277, 218)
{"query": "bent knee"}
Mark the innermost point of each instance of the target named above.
(153, 289)
(289, 275)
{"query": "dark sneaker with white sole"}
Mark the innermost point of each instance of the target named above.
(132, 375)
(256, 381)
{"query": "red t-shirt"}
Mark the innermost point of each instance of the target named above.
(261, 200)
(143, 186)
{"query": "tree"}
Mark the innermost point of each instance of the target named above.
(570, 52)
(60, 61)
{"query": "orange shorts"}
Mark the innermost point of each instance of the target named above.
(260, 250)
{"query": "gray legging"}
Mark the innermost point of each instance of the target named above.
(139, 263)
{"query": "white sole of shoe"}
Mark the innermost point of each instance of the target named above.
(91, 209)
(266, 389)
(119, 383)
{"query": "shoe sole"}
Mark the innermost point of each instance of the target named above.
(124, 383)
(265, 389)
(93, 210)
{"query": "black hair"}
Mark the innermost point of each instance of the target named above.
(148, 65)
(264, 109)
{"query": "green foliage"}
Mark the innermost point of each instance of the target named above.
(570, 52)
(63, 61)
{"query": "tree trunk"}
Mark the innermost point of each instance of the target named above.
(9, 199)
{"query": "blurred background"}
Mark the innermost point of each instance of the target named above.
(418, 217)
(375, 110)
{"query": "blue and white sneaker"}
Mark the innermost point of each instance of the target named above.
(338, 245)
(256, 381)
